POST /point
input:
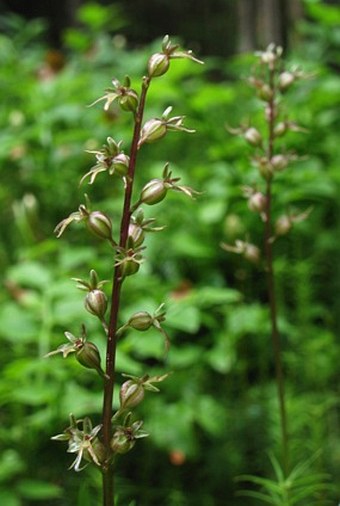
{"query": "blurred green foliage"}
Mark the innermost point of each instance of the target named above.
(217, 414)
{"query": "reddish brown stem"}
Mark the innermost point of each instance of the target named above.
(108, 470)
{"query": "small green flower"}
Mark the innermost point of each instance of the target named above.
(129, 260)
(143, 321)
(156, 128)
(111, 158)
(97, 222)
(75, 344)
(156, 190)
(137, 228)
(249, 251)
(126, 97)
(82, 441)
(132, 390)
(86, 352)
(92, 284)
(125, 436)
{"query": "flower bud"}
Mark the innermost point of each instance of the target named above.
(120, 164)
(280, 129)
(265, 93)
(279, 162)
(153, 130)
(252, 253)
(286, 79)
(153, 192)
(257, 202)
(253, 137)
(136, 234)
(283, 225)
(96, 303)
(131, 394)
(121, 443)
(265, 167)
(88, 356)
(271, 112)
(140, 321)
(158, 64)
(128, 101)
(100, 225)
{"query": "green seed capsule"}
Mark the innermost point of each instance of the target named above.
(100, 225)
(158, 64)
(153, 192)
(121, 443)
(88, 356)
(141, 321)
(131, 394)
(120, 164)
(136, 234)
(129, 266)
(129, 101)
(96, 303)
(153, 130)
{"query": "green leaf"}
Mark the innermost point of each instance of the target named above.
(329, 15)
(9, 498)
(38, 490)
(211, 296)
(10, 465)
(16, 324)
(184, 355)
(182, 316)
(31, 274)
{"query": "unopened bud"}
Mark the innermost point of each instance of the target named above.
(96, 303)
(270, 112)
(265, 167)
(131, 394)
(100, 225)
(158, 64)
(265, 93)
(253, 137)
(153, 130)
(280, 129)
(251, 253)
(140, 321)
(283, 225)
(286, 79)
(257, 202)
(279, 162)
(153, 192)
(88, 356)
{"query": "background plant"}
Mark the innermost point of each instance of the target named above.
(205, 434)
(271, 80)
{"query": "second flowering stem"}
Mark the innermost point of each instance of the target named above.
(268, 252)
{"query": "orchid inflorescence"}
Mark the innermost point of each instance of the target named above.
(118, 432)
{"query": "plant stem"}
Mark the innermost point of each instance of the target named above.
(275, 334)
(108, 469)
